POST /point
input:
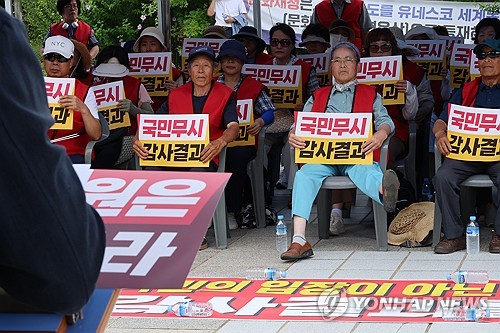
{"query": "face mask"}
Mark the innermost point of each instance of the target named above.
(334, 39)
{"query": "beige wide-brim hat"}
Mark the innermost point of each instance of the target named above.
(112, 68)
(152, 32)
(412, 224)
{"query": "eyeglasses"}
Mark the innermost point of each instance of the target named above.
(384, 47)
(491, 54)
(346, 60)
(283, 42)
(71, 6)
(53, 56)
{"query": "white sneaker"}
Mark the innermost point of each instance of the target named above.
(233, 225)
(336, 225)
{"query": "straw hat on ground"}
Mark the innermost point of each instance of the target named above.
(413, 224)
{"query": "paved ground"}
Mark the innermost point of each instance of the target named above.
(351, 255)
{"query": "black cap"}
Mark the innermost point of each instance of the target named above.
(201, 50)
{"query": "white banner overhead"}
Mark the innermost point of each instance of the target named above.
(459, 18)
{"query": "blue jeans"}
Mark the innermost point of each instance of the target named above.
(308, 181)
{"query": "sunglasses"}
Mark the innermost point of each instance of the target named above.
(491, 54)
(53, 56)
(383, 47)
(283, 42)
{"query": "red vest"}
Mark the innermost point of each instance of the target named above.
(469, 92)
(262, 58)
(364, 96)
(180, 101)
(76, 145)
(82, 33)
(351, 14)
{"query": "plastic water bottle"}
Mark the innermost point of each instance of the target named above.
(281, 235)
(265, 274)
(191, 309)
(462, 276)
(426, 190)
(465, 313)
(472, 237)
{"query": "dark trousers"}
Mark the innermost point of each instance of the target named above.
(447, 185)
(108, 151)
(238, 190)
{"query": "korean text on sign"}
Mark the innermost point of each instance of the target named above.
(459, 64)
(153, 69)
(284, 82)
(432, 56)
(174, 140)
(383, 72)
(333, 138)
(107, 97)
(190, 43)
(321, 63)
(474, 133)
(474, 67)
(55, 89)
(244, 108)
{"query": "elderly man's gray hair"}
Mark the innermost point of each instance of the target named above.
(349, 45)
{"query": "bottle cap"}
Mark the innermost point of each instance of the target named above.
(280, 217)
(169, 309)
(488, 313)
(283, 275)
(472, 218)
(448, 276)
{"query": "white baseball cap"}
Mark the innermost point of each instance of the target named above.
(60, 45)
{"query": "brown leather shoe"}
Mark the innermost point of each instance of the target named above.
(495, 242)
(297, 251)
(450, 245)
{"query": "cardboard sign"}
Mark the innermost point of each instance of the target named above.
(55, 89)
(155, 222)
(344, 300)
(283, 82)
(474, 133)
(107, 96)
(333, 138)
(460, 64)
(321, 63)
(474, 67)
(190, 43)
(384, 72)
(174, 140)
(244, 108)
(153, 69)
(432, 56)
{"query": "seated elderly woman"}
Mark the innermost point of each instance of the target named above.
(202, 96)
(345, 96)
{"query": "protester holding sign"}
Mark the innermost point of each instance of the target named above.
(52, 241)
(346, 96)
(483, 92)
(58, 60)
(113, 65)
(254, 44)
(238, 191)
(282, 41)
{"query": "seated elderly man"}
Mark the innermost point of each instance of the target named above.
(58, 61)
(483, 92)
(203, 95)
(340, 98)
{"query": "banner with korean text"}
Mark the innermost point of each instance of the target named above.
(283, 82)
(244, 108)
(174, 140)
(190, 43)
(460, 64)
(384, 72)
(316, 299)
(333, 138)
(321, 63)
(432, 56)
(459, 18)
(474, 67)
(55, 89)
(155, 222)
(474, 133)
(107, 96)
(153, 69)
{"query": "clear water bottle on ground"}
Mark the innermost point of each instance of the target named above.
(426, 190)
(465, 313)
(265, 274)
(472, 236)
(462, 276)
(191, 309)
(281, 235)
